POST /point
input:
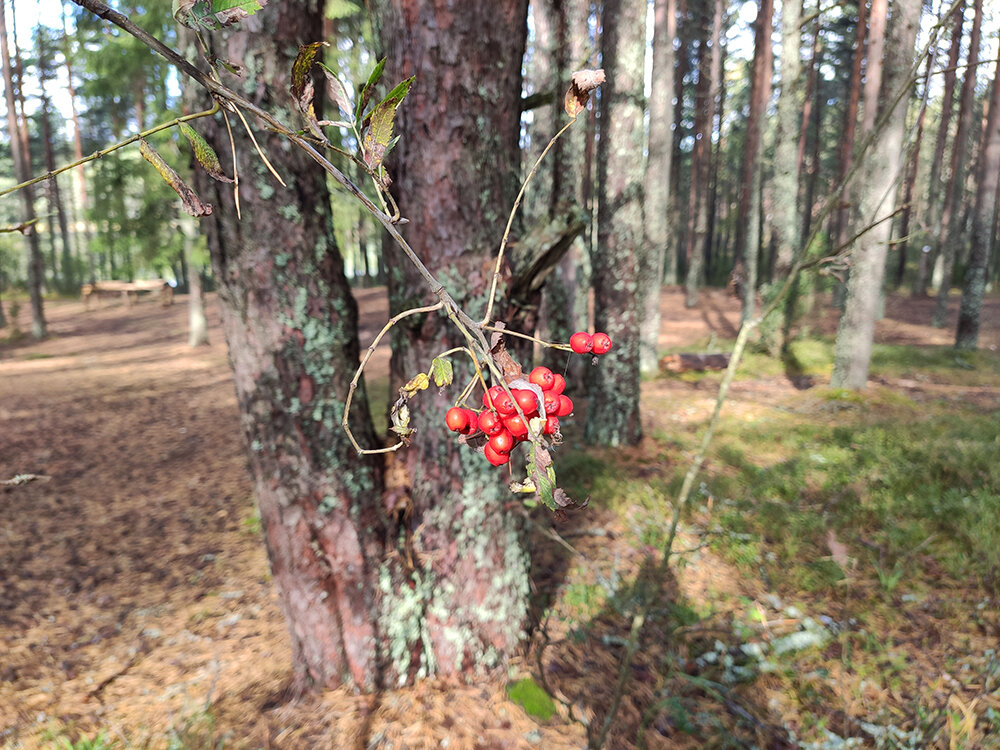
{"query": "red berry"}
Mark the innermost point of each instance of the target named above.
(559, 384)
(581, 342)
(527, 400)
(489, 422)
(602, 343)
(551, 425)
(502, 442)
(504, 405)
(497, 459)
(517, 425)
(542, 377)
(565, 406)
(492, 395)
(457, 419)
(551, 402)
(472, 422)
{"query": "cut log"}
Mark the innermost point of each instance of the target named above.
(683, 362)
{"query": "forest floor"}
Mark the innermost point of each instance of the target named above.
(839, 573)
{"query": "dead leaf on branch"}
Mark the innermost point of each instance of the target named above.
(204, 153)
(191, 202)
(581, 83)
(214, 14)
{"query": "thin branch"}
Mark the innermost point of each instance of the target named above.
(109, 149)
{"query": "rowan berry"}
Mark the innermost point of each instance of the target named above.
(581, 342)
(602, 343)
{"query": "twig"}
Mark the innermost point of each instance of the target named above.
(19, 479)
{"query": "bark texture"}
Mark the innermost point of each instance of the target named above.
(658, 237)
(454, 177)
(882, 163)
(291, 325)
(987, 180)
(952, 224)
(613, 418)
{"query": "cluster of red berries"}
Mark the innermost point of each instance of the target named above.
(582, 342)
(500, 421)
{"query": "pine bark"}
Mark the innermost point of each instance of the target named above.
(983, 215)
(658, 235)
(747, 220)
(455, 175)
(909, 188)
(952, 225)
(935, 206)
(291, 325)
(22, 172)
(613, 416)
(882, 163)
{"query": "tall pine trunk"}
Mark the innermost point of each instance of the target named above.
(952, 226)
(658, 236)
(291, 325)
(987, 180)
(22, 173)
(876, 188)
(455, 175)
(613, 416)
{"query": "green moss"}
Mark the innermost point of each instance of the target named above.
(530, 696)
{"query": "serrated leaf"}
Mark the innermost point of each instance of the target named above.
(442, 371)
(191, 202)
(338, 92)
(228, 12)
(419, 383)
(366, 90)
(204, 153)
(378, 133)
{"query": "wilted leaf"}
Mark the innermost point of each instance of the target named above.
(204, 153)
(191, 202)
(378, 134)
(302, 83)
(366, 90)
(581, 83)
(442, 372)
(509, 367)
(233, 11)
(542, 475)
(418, 383)
(191, 13)
(338, 92)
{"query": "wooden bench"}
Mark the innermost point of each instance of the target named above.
(127, 290)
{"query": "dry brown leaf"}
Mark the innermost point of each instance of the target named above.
(581, 83)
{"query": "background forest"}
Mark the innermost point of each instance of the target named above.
(791, 204)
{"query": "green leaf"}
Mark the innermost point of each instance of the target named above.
(442, 372)
(191, 202)
(532, 698)
(366, 90)
(204, 153)
(228, 12)
(378, 134)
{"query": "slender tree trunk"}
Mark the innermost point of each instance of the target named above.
(455, 177)
(814, 121)
(291, 324)
(197, 324)
(747, 220)
(785, 183)
(983, 216)
(80, 174)
(55, 198)
(22, 172)
(909, 187)
(852, 350)
(935, 206)
(658, 235)
(613, 417)
(671, 261)
(952, 226)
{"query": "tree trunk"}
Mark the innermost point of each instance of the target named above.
(935, 206)
(785, 183)
(291, 324)
(22, 173)
(852, 350)
(987, 180)
(454, 177)
(658, 235)
(747, 223)
(909, 188)
(815, 121)
(197, 325)
(55, 199)
(81, 178)
(951, 219)
(613, 416)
